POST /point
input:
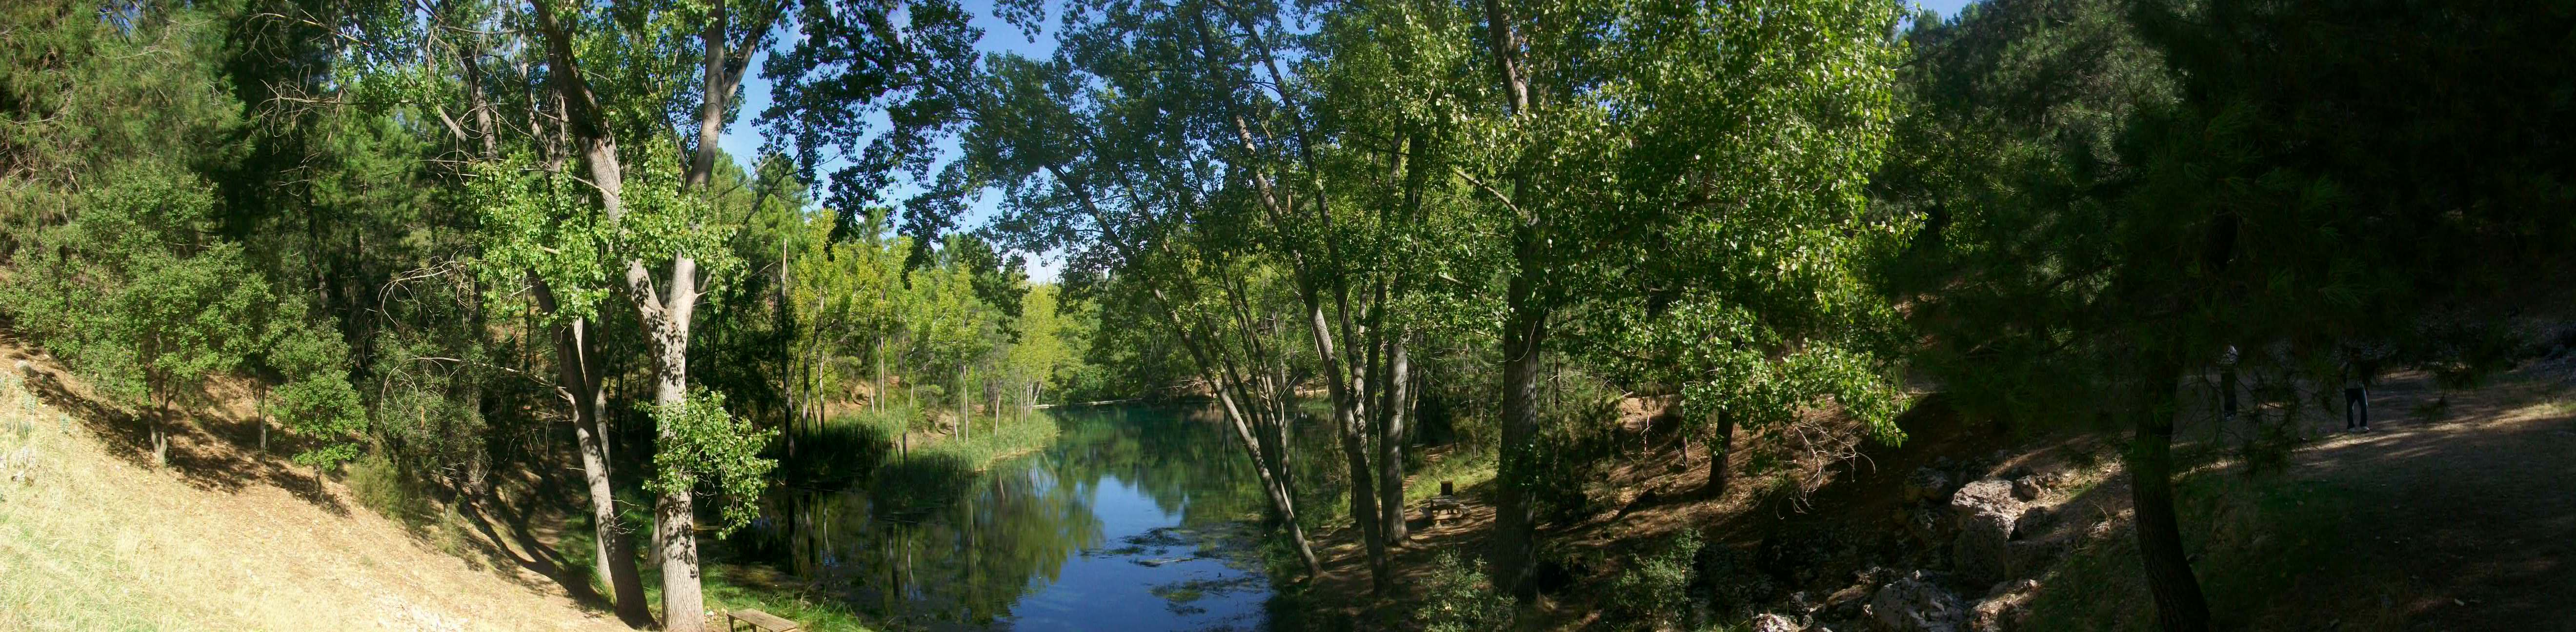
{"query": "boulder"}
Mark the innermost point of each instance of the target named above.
(1916, 604)
(1986, 511)
(1767, 622)
(2035, 521)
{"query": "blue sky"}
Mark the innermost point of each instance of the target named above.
(742, 138)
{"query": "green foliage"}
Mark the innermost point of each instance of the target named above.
(1654, 588)
(701, 443)
(539, 228)
(1457, 598)
(317, 401)
(1566, 467)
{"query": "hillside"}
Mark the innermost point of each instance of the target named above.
(92, 537)
(2456, 513)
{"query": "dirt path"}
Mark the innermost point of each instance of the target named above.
(2465, 521)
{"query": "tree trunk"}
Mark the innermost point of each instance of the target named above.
(614, 554)
(965, 418)
(674, 514)
(160, 427)
(263, 417)
(1515, 520)
(1524, 335)
(1392, 413)
(1364, 513)
(1718, 451)
(2179, 604)
(877, 402)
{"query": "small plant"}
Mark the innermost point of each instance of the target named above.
(1457, 598)
(1655, 588)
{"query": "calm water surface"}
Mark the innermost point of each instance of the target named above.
(1135, 519)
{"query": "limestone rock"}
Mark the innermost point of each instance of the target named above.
(1775, 623)
(2028, 487)
(1914, 604)
(1986, 511)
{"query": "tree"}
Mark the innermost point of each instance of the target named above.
(1608, 128)
(2192, 180)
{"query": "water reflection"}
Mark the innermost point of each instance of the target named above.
(1134, 520)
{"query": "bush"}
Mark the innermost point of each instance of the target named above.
(1655, 588)
(1575, 442)
(380, 484)
(1456, 598)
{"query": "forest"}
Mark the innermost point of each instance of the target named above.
(1447, 315)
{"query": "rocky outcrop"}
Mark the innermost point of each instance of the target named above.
(1985, 512)
(1916, 604)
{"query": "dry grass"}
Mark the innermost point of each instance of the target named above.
(97, 539)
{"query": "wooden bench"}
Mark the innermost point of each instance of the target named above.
(1444, 508)
(762, 621)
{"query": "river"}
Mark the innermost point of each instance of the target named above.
(1135, 518)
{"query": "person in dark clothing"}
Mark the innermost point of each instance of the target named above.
(2227, 385)
(2359, 372)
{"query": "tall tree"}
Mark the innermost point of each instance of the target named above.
(2128, 224)
(1606, 128)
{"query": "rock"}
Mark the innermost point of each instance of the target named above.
(1767, 622)
(1848, 603)
(1986, 511)
(2035, 521)
(1926, 526)
(2007, 612)
(2028, 557)
(2028, 487)
(1926, 483)
(1990, 495)
(1915, 604)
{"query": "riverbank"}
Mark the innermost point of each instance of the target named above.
(881, 444)
(986, 440)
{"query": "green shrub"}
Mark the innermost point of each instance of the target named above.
(1457, 598)
(1655, 587)
(381, 485)
(1573, 450)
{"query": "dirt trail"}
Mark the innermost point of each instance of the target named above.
(93, 537)
(2461, 521)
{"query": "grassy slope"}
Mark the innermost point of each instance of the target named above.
(94, 538)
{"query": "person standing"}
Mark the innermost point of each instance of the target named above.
(2227, 386)
(2359, 369)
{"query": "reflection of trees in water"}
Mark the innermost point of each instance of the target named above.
(1177, 456)
(929, 541)
(914, 548)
